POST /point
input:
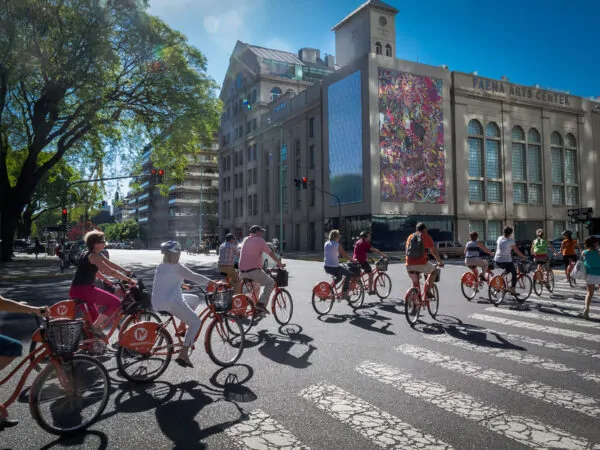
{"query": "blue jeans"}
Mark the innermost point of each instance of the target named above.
(10, 347)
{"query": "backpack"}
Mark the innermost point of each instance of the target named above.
(540, 247)
(415, 248)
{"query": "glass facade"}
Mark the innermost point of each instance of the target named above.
(389, 232)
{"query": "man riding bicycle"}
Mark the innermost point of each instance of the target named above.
(505, 246)
(228, 252)
(568, 248)
(417, 245)
(361, 248)
(250, 264)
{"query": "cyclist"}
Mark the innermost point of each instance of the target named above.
(539, 248)
(473, 251)
(90, 263)
(503, 258)
(228, 251)
(333, 250)
(591, 261)
(417, 245)
(168, 296)
(568, 248)
(250, 264)
(361, 248)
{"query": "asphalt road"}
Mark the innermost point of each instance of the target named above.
(477, 377)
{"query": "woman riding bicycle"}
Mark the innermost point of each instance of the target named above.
(333, 250)
(539, 249)
(168, 296)
(473, 251)
(93, 264)
(568, 248)
(503, 258)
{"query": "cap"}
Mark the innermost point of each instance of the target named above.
(256, 229)
(229, 237)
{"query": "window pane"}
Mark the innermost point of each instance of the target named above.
(475, 128)
(535, 194)
(571, 141)
(571, 167)
(492, 130)
(555, 139)
(558, 195)
(557, 165)
(477, 225)
(492, 158)
(534, 163)
(518, 162)
(519, 193)
(559, 227)
(494, 193)
(494, 229)
(572, 196)
(475, 157)
(518, 134)
(475, 191)
(533, 135)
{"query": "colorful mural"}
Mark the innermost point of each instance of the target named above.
(411, 138)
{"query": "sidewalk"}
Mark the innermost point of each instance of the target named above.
(25, 266)
(318, 256)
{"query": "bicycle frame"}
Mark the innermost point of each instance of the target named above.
(416, 280)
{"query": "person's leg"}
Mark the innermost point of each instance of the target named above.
(9, 349)
(513, 271)
(347, 276)
(588, 300)
(107, 300)
(185, 314)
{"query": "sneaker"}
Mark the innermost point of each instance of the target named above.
(8, 423)
(586, 314)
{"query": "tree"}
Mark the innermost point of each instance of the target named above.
(85, 78)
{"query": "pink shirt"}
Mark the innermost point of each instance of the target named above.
(251, 252)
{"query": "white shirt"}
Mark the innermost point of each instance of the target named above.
(167, 284)
(332, 252)
(504, 249)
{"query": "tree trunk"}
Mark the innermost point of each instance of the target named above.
(24, 224)
(8, 226)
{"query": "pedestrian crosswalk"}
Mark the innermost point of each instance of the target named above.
(548, 356)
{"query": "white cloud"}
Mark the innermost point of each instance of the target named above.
(211, 25)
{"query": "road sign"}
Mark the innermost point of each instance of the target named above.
(580, 213)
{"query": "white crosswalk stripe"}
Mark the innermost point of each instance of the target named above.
(518, 428)
(536, 327)
(556, 396)
(381, 428)
(260, 431)
(571, 320)
(516, 356)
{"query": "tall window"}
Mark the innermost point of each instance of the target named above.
(312, 193)
(378, 48)
(297, 173)
(485, 169)
(267, 190)
(494, 229)
(564, 170)
(255, 204)
(527, 166)
(311, 157)
(311, 127)
(275, 93)
(479, 226)
(388, 50)
(249, 205)
(571, 178)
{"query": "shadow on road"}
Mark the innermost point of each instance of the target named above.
(278, 347)
(365, 318)
(81, 440)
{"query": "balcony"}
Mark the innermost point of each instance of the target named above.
(143, 197)
(143, 220)
(184, 202)
(143, 208)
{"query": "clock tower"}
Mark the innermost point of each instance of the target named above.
(371, 28)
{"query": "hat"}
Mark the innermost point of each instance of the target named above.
(256, 229)
(229, 237)
(364, 234)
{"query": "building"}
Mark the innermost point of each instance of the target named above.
(190, 210)
(386, 143)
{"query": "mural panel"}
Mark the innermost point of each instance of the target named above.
(345, 140)
(411, 138)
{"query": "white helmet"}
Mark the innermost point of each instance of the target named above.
(170, 247)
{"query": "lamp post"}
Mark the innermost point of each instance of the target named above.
(201, 198)
(281, 148)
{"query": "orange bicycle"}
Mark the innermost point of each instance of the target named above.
(381, 280)
(324, 294)
(471, 284)
(282, 306)
(146, 348)
(543, 276)
(68, 385)
(498, 285)
(416, 298)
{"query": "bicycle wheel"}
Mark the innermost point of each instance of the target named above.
(218, 333)
(142, 316)
(572, 281)
(383, 285)
(356, 293)
(145, 367)
(523, 287)
(434, 302)
(322, 305)
(412, 306)
(247, 319)
(496, 290)
(282, 306)
(538, 283)
(550, 285)
(468, 285)
(65, 409)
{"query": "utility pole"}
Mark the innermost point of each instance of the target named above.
(281, 147)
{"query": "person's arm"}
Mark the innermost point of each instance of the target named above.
(343, 253)
(269, 252)
(103, 278)
(108, 268)
(434, 253)
(373, 249)
(517, 251)
(16, 307)
(562, 246)
(484, 248)
(188, 274)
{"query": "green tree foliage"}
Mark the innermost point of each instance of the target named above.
(121, 231)
(83, 79)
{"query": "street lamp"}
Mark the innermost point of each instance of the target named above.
(281, 148)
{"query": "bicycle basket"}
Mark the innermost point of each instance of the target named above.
(63, 336)
(382, 265)
(221, 300)
(354, 269)
(280, 276)
(525, 267)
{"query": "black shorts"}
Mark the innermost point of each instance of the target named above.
(568, 258)
(366, 267)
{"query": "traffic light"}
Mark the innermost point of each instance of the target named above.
(64, 216)
(247, 104)
(161, 173)
(158, 174)
(304, 182)
(297, 183)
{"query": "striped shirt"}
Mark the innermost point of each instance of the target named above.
(227, 253)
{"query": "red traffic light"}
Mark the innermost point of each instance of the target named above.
(304, 179)
(161, 172)
(64, 211)
(153, 172)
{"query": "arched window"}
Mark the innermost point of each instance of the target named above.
(492, 130)
(556, 139)
(571, 142)
(565, 185)
(475, 143)
(378, 48)
(526, 166)
(493, 166)
(388, 50)
(275, 93)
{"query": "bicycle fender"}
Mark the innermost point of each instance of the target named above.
(322, 290)
(64, 309)
(468, 279)
(140, 337)
(239, 305)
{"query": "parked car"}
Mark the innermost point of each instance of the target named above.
(449, 249)
(20, 245)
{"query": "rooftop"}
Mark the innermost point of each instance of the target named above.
(368, 4)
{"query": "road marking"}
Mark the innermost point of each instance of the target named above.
(527, 431)
(515, 356)
(547, 318)
(261, 431)
(378, 426)
(568, 309)
(556, 396)
(536, 327)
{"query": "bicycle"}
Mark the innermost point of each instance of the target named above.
(325, 294)
(543, 276)
(470, 284)
(59, 342)
(381, 280)
(415, 298)
(280, 298)
(499, 284)
(571, 280)
(148, 341)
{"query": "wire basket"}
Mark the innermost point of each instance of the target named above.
(382, 265)
(525, 266)
(63, 336)
(280, 276)
(354, 269)
(221, 300)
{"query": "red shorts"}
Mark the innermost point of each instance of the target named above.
(94, 297)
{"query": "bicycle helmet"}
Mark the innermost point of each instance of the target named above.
(567, 233)
(170, 247)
